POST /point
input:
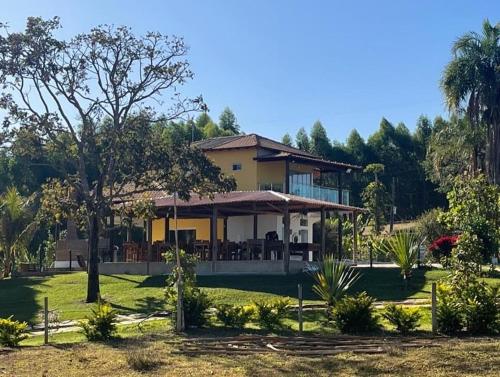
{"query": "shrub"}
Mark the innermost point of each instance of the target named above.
(270, 314)
(429, 226)
(12, 332)
(442, 247)
(234, 316)
(405, 320)
(481, 309)
(101, 324)
(332, 280)
(142, 360)
(354, 314)
(448, 315)
(195, 303)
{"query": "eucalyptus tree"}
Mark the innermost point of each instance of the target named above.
(94, 97)
(471, 85)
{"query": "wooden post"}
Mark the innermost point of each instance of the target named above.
(255, 226)
(213, 237)
(434, 308)
(46, 320)
(354, 237)
(287, 176)
(300, 310)
(339, 228)
(393, 203)
(371, 256)
(323, 234)
(70, 259)
(286, 240)
(149, 237)
(166, 237)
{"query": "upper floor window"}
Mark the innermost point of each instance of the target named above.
(236, 167)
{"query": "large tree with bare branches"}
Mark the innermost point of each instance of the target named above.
(94, 98)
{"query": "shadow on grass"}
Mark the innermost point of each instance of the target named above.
(18, 298)
(380, 283)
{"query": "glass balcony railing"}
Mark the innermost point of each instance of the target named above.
(319, 192)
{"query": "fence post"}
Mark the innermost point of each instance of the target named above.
(300, 309)
(70, 259)
(434, 307)
(46, 320)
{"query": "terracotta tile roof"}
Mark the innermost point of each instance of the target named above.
(240, 198)
(280, 150)
(247, 141)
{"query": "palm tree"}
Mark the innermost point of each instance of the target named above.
(471, 84)
(332, 280)
(16, 228)
(403, 247)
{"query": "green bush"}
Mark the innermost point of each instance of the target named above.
(234, 316)
(12, 332)
(270, 314)
(195, 303)
(354, 314)
(449, 320)
(101, 324)
(405, 320)
(481, 309)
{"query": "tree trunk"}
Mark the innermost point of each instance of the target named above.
(93, 262)
(179, 323)
(7, 263)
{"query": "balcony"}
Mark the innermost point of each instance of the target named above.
(319, 192)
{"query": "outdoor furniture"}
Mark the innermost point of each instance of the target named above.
(273, 250)
(303, 249)
(201, 249)
(256, 248)
(131, 251)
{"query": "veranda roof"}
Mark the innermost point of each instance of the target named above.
(246, 202)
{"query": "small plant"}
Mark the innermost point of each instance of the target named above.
(270, 314)
(196, 304)
(354, 314)
(403, 247)
(405, 320)
(142, 360)
(449, 319)
(332, 280)
(101, 324)
(12, 332)
(234, 316)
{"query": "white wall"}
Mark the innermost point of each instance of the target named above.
(240, 228)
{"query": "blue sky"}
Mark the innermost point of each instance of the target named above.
(281, 65)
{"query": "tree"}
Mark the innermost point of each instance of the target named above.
(228, 122)
(471, 85)
(287, 140)
(449, 151)
(375, 196)
(191, 173)
(17, 226)
(302, 140)
(474, 209)
(96, 91)
(320, 144)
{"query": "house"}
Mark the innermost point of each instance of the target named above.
(281, 192)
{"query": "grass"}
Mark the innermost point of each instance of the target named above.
(455, 357)
(23, 297)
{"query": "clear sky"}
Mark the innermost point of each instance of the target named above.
(281, 65)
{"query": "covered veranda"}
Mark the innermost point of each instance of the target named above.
(223, 251)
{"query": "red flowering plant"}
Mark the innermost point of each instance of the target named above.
(441, 248)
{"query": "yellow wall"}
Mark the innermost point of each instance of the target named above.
(202, 227)
(271, 172)
(246, 178)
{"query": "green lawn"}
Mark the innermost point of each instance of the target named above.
(23, 297)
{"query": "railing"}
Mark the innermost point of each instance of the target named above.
(319, 192)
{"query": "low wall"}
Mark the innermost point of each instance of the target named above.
(250, 267)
